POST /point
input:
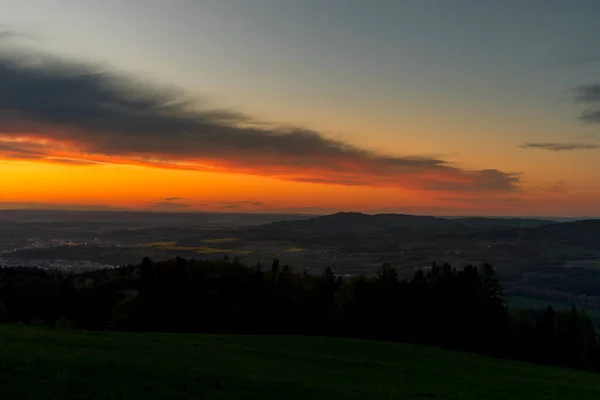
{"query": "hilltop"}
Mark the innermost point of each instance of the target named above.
(355, 221)
(43, 363)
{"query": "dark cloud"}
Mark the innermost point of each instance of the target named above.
(20, 150)
(560, 146)
(99, 113)
(69, 161)
(488, 180)
(591, 116)
(32, 153)
(589, 95)
(172, 198)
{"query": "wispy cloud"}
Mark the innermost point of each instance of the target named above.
(69, 161)
(60, 109)
(591, 116)
(560, 146)
(31, 152)
(173, 198)
(590, 96)
(7, 34)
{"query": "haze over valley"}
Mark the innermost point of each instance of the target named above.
(539, 261)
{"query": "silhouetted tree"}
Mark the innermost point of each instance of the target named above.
(3, 314)
(455, 308)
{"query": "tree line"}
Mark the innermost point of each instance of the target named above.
(461, 309)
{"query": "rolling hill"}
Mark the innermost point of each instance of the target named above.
(38, 363)
(353, 221)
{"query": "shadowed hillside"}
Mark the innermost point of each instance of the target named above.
(47, 364)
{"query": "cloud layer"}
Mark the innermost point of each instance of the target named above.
(560, 146)
(58, 110)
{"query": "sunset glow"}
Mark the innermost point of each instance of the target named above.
(232, 131)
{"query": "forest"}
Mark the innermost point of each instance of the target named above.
(462, 309)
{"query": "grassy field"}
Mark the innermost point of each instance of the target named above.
(37, 363)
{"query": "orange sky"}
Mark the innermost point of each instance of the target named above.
(125, 186)
(40, 169)
(222, 113)
(142, 187)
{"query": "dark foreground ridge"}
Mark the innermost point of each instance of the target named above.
(40, 363)
(445, 307)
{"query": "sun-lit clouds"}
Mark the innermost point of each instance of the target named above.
(57, 110)
(129, 187)
(81, 134)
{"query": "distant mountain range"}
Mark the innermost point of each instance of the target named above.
(352, 227)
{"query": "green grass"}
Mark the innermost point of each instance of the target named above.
(38, 363)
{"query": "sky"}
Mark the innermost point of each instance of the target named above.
(313, 106)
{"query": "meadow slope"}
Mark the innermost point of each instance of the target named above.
(38, 363)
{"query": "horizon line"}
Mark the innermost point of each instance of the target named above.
(308, 214)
